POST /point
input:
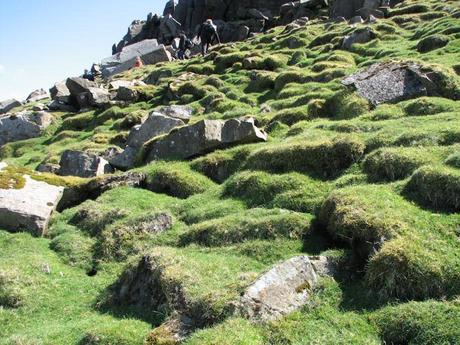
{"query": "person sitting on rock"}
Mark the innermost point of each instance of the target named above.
(170, 8)
(88, 75)
(138, 63)
(208, 34)
(184, 44)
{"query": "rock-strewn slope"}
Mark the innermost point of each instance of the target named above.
(339, 191)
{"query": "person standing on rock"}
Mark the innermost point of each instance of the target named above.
(208, 35)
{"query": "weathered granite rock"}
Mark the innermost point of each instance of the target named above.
(148, 50)
(8, 105)
(37, 95)
(48, 168)
(203, 137)
(81, 164)
(127, 94)
(29, 208)
(156, 124)
(392, 82)
(61, 106)
(60, 93)
(94, 97)
(23, 126)
(77, 85)
(280, 291)
(361, 35)
(116, 84)
(181, 112)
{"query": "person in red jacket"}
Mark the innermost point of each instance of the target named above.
(138, 63)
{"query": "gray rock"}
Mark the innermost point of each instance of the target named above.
(77, 85)
(61, 106)
(127, 94)
(23, 126)
(390, 82)
(81, 164)
(48, 168)
(203, 137)
(126, 159)
(148, 50)
(98, 96)
(60, 93)
(29, 208)
(361, 35)
(181, 112)
(345, 8)
(39, 107)
(356, 20)
(115, 85)
(8, 105)
(37, 95)
(155, 125)
(282, 290)
(431, 43)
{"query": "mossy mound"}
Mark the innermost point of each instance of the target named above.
(436, 187)
(176, 180)
(419, 323)
(254, 224)
(323, 159)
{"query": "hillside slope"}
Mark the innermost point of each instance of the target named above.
(374, 189)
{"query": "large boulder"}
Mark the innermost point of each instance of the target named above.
(77, 85)
(181, 112)
(23, 126)
(431, 43)
(280, 291)
(37, 95)
(155, 125)
(60, 92)
(360, 35)
(392, 82)
(148, 50)
(203, 137)
(8, 105)
(28, 208)
(81, 164)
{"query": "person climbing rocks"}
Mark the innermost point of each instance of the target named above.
(138, 63)
(208, 35)
(184, 44)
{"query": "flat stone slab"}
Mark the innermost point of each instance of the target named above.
(29, 208)
(388, 82)
(280, 291)
(9, 104)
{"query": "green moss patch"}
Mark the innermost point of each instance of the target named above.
(253, 224)
(436, 187)
(419, 323)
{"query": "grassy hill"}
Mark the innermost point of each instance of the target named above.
(375, 188)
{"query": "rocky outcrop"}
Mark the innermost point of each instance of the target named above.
(85, 93)
(28, 208)
(363, 8)
(8, 105)
(148, 50)
(156, 124)
(23, 126)
(60, 92)
(203, 137)
(37, 95)
(280, 291)
(393, 82)
(81, 164)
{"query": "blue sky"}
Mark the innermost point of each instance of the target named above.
(44, 41)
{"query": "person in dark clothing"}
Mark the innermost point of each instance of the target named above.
(170, 8)
(208, 35)
(184, 45)
(88, 75)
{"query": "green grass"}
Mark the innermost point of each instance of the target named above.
(374, 187)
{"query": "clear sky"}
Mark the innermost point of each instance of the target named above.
(44, 41)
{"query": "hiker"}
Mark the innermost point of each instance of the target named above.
(208, 34)
(88, 75)
(138, 63)
(184, 45)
